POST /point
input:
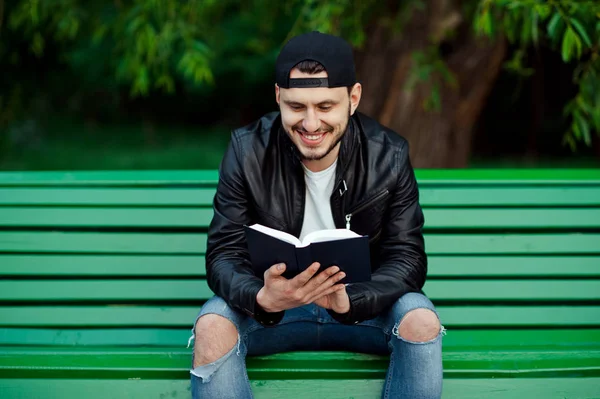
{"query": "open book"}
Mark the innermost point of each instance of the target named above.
(336, 247)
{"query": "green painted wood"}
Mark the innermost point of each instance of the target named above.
(121, 316)
(111, 178)
(103, 242)
(361, 388)
(104, 290)
(90, 196)
(174, 363)
(193, 243)
(512, 244)
(106, 217)
(487, 218)
(425, 176)
(509, 196)
(518, 266)
(461, 340)
(103, 265)
(194, 196)
(124, 316)
(173, 289)
(438, 218)
(194, 265)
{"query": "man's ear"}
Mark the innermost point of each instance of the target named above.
(277, 93)
(355, 95)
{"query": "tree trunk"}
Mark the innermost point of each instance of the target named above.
(438, 138)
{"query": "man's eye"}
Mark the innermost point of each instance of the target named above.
(296, 107)
(327, 108)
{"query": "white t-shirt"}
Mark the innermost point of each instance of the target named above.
(317, 211)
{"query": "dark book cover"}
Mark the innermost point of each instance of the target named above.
(351, 255)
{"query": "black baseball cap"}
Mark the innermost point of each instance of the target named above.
(333, 52)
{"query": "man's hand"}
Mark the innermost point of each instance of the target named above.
(338, 301)
(279, 293)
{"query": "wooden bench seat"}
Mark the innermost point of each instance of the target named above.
(102, 275)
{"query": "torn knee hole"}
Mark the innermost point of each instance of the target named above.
(206, 371)
(215, 337)
(419, 325)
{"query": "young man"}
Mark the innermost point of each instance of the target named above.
(317, 164)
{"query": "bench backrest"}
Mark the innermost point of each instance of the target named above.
(117, 258)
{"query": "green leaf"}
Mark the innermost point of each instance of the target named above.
(534, 27)
(166, 82)
(141, 84)
(486, 22)
(581, 31)
(571, 43)
(576, 131)
(587, 108)
(543, 10)
(570, 141)
(585, 129)
(553, 25)
(448, 76)
(434, 101)
(33, 9)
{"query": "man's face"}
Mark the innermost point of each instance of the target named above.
(316, 118)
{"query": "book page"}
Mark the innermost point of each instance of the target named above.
(328, 235)
(281, 235)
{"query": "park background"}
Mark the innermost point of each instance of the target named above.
(159, 84)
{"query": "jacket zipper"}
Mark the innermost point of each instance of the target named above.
(364, 205)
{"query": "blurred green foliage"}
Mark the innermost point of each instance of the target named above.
(570, 27)
(101, 58)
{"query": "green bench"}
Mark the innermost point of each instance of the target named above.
(102, 275)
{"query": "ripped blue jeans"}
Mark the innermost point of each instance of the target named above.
(415, 368)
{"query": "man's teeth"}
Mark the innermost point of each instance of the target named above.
(313, 137)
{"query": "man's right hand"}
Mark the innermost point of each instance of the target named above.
(280, 293)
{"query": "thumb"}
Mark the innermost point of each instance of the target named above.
(276, 270)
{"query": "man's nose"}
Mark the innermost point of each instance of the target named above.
(310, 122)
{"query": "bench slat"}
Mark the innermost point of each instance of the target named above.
(121, 178)
(569, 176)
(148, 290)
(506, 266)
(107, 196)
(103, 265)
(192, 196)
(106, 217)
(102, 242)
(358, 388)
(134, 337)
(124, 316)
(201, 217)
(511, 218)
(164, 362)
(193, 243)
(509, 196)
(194, 265)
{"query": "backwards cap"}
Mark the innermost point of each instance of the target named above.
(333, 52)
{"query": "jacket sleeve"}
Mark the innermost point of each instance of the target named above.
(403, 265)
(228, 268)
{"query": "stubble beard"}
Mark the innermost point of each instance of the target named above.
(318, 157)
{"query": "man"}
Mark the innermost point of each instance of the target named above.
(317, 164)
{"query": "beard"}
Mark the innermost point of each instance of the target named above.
(327, 129)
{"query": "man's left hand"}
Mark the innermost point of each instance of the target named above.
(338, 301)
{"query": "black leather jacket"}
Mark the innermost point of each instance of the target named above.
(262, 181)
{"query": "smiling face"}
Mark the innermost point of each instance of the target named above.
(316, 118)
